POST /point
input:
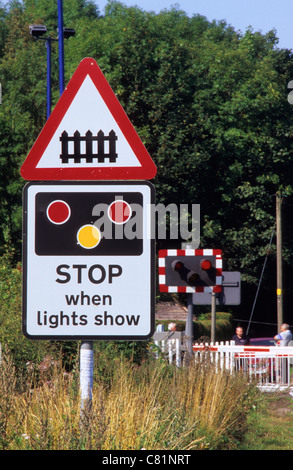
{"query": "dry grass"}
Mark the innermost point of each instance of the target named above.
(153, 406)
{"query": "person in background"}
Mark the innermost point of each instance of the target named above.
(284, 336)
(160, 328)
(172, 326)
(240, 338)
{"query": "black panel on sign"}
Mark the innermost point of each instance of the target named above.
(191, 272)
(60, 216)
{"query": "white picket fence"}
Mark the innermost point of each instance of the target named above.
(269, 367)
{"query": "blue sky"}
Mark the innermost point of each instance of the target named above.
(261, 15)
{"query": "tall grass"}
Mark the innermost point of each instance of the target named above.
(152, 406)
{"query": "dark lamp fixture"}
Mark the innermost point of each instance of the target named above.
(37, 30)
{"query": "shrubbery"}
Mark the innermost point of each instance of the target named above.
(25, 352)
(152, 406)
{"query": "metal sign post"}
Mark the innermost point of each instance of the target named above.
(86, 374)
(213, 317)
(229, 295)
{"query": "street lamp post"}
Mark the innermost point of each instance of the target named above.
(48, 45)
(61, 47)
(37, 31)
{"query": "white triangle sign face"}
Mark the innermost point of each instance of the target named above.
(88, 136)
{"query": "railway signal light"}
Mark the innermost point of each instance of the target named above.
(190, 270)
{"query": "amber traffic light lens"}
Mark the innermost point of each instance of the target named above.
(192, 277)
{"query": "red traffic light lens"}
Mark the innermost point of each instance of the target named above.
(58, 212)
(119, 212)
(177, 265)
(206, 265)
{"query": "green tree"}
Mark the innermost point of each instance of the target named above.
(209, 103)
(23, 109)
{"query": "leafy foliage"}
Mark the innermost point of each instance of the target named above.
(210, 104)
(11, 335)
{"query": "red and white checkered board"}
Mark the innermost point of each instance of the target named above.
(190, 252)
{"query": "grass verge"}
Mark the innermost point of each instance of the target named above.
(152, 406)
(270, 425)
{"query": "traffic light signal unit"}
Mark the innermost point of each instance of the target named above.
(188, 271)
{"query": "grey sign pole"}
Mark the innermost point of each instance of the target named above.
(189, 318)
(189, 325)
(86, 374)
(213, 319)
(230, 295)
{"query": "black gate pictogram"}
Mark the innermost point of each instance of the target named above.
(90, 154)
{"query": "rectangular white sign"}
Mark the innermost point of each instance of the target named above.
(88, 260)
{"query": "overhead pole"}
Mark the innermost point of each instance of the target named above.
(48, 45)
(279, 259)
(61, 46)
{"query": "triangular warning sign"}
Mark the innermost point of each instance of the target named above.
(88, 136)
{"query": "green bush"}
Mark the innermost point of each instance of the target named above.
(22, 349)
(202, 326)
(224, 328)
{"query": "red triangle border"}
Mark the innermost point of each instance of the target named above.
(29, 170)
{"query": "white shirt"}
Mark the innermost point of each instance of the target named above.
(284, 337)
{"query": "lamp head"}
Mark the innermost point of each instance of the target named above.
(37, 30)
(68, 32)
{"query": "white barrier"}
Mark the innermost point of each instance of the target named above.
(267, 366)
(171, 344)
(173, 348)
